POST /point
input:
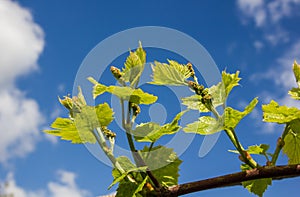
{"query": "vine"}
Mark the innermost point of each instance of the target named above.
(154, 169)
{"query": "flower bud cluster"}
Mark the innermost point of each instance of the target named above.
(116, 72)
(191, 69)
(108, 133)
(135, 109)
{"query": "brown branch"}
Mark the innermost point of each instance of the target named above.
(274, 172)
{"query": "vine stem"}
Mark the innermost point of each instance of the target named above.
(280, 144)
(135, 154)
(274, 172)
(101, 141)
(233, 137)
(235, 141)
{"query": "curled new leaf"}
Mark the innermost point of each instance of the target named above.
(230, 81)
(134, 66)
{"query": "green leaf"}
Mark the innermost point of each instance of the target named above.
(134, 65)
(66, 129)
(151, 132)
(230, 81)
(104, 114)
(130, 189)
(80, 129)
(137, 96)
(143, 132)
(292, 142)
(295, 93)
(296, 69)
(255, 149)
(233, 117)
(126, 165)
(218, 94)
(132, 76)
(136, 58)
(206, 125)
(98, 88)
(258, 187)
(164, 164)
(194, 102)
(170, 74)
(272, 112)
(131, 186)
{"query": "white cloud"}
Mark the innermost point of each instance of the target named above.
(281, 71)
(21, 43)
(281, 8)
(267, 16)
(65, 186)
(19, 120)
(253, 9)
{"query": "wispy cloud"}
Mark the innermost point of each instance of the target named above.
(65, 186)
(21, 43)
(281, 71)
(267, 16)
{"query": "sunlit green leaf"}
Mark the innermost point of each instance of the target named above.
(194, 101)
(230, 81)
(80, 128)
(295, 93)
(134, 65)
(296, 69)
(206, 125)
(143, 131)
(272, 112)
(164, 164)
(128, 167)
(67, 130)
(137, 96)
(151, 132)
(128, 186)
(217, 93)
(136, 58)
(292, 142)
(170, 74)
(257, 187)
(255, 149)
(104, 114)
(233, 117)
(98, 88)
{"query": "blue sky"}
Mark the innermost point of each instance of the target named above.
(43, 44)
